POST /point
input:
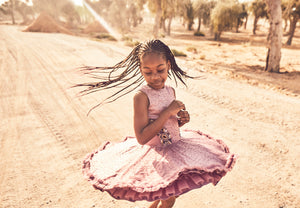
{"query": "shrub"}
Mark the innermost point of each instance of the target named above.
(199, 33)
(224, 17)
(178, 53)
(192, 49)
(126, 38)
(106, 36)
(131, 43)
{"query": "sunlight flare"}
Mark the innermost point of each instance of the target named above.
(101, 21)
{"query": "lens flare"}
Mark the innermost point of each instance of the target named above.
(102, 21)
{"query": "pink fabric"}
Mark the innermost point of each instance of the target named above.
(130, 171)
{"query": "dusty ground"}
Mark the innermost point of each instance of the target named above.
(45, 133)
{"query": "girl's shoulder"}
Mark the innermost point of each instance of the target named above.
(147, 88)
(150, 92)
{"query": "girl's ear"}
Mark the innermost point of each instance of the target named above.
(169, 64)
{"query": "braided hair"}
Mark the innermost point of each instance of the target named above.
(126, 74)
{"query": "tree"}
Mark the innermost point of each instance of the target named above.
(8, 8)
(203, 10)
(158, 9)
(165, 10)
(245, 9)
(52, 7)
(225, 16)
(170, 9)
(69, 11)
(259, 10)
(242, 15)
(24, 10)
(274, 36)
(121, 14)
(12, 6)
(292, 12)
(85, 16)
(57, 9)
(189, 14)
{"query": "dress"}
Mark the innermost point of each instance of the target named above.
(130, 171)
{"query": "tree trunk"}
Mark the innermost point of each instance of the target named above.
(255, 25)
(190, 25)
(292, 31)
(199, 24)
(275, 36)
(238, 22)
(290, 27)
(246, 21)
(217, 36)
(169, 25)
(12, 4)
(163, 24)
(285, 24)
(157, 18)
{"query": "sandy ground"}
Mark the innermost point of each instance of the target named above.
(45, 133)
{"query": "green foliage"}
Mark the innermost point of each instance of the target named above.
(290, 8)
(199, 33)
(12, 6)
(170, 9)
(203, 10)
(291, 11)
(189, 14)
(225, 16)
(178, 53)
(258, 8)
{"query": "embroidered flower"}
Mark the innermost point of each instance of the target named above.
(165, 137)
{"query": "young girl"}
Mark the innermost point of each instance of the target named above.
(160, 162)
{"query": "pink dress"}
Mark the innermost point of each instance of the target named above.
(156, 170)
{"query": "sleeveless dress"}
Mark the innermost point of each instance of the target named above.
(158, 170)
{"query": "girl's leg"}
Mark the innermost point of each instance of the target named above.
(167, 203)
(154, 204)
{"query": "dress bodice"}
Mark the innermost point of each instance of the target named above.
(159, 100)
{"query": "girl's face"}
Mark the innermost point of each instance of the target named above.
(154, 68)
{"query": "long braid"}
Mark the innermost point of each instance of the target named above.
(126, 74)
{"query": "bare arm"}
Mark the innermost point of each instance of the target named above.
(184, 116)
(145, 131)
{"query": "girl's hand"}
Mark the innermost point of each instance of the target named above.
(184, 117)
(175, 107)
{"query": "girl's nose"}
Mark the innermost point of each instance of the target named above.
(155, 76)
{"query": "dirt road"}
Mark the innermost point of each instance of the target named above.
(45, 133)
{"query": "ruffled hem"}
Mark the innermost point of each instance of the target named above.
(182, 182)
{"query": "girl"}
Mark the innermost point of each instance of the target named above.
(160, 162)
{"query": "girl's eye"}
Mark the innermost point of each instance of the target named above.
(147, 73)
(161, 71)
